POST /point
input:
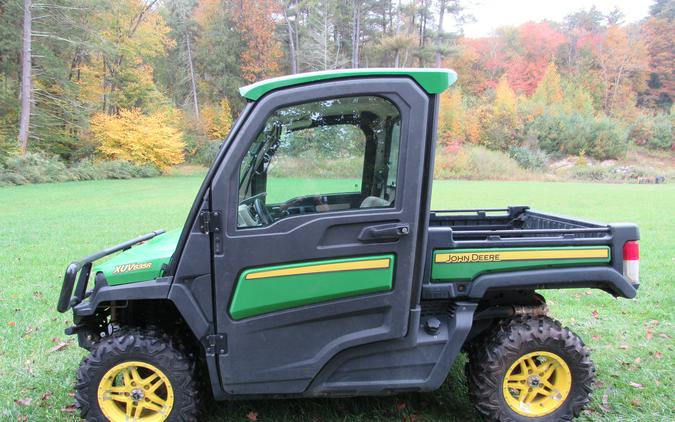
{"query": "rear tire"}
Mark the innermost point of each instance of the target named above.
(141, 372)
(530, 369)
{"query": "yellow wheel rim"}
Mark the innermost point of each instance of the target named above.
(537, 384)
(135, 391)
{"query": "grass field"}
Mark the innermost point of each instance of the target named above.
(43, 227)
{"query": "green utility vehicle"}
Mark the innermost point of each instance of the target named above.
(283, 283)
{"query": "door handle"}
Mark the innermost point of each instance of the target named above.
(384, 232)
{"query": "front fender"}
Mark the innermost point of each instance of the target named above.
(151, 289)
(159, 289)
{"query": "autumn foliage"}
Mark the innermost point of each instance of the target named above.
(217, 120)
(261, 55)
(136, 79)
(138, 138)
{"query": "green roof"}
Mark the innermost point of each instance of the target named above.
(433, 81)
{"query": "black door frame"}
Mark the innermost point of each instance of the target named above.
(371, 318)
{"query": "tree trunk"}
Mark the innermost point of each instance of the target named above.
(325, 39)
(24, 122)
(192, 76)
(439, 35)
(292, 48)
(423, 32)
(356, 33)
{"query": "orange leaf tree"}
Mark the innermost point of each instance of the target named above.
(261, 52)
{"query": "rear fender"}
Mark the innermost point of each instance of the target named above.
(604, 278)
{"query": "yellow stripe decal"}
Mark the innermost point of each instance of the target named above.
(370, 264)
(496, 256)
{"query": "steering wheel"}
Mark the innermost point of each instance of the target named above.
(258, 203)
(263, 214)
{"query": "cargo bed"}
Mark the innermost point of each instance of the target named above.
(519, 222)
(519, 227)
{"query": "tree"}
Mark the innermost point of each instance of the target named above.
(658, 31)
(451, 117)
(217, 120)
(589, 20)
(453, 8)
(615, 16)
(356, 31)
(217, 53)
(621, 57)
(184, 33)
(397, 44)
(26, 79)
(132, 34)
(535, 46)
(505, 98)
(320, 50)
(261, 52)
(500, 125)
(289, 8)
(549, 90)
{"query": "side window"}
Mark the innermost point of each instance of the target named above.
(324, 156)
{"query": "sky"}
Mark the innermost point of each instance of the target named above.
(492, 14)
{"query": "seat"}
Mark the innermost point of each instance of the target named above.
(374, 202)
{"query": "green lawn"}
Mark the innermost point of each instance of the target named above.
(43, 227)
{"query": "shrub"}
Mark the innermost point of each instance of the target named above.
(477, 163)
(661, 133)
(118, 169)
(528, 158)
(501, 132)
(337, 168)
(609, 140)
(617, 174)
(40, 168)
(34, 168)
(575, 133)
(640, 131)
(138, 138)
(205, 153)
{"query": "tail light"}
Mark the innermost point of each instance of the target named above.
(631, 261)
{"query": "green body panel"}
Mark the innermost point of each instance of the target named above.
(141, 262)
(259, 296)
(465, 271)
(433, 81)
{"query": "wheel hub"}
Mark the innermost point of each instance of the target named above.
(537, 384)
(135, 391)
(137, 395)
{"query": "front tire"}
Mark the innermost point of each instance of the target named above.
(137, 375)
(530, 369)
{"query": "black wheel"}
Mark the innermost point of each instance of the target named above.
(530, 369)
(137, 375)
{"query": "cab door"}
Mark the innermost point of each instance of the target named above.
(320, 194)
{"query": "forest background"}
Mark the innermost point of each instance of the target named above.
(94, 89)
